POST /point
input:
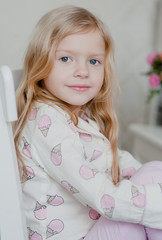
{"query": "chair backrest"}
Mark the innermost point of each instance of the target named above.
(12, 220)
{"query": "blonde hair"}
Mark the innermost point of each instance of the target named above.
(49, 31)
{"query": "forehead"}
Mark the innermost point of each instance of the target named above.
(92, 40)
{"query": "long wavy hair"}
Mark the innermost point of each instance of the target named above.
(50, 30)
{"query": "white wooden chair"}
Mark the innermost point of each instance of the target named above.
(12, 220)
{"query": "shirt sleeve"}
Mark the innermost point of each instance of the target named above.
(59, 151)
(128, 164)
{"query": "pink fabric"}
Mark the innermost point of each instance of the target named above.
(106, 229)
(150, 172)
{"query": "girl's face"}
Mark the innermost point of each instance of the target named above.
(78, 69)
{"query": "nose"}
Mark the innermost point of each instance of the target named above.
(81, 70)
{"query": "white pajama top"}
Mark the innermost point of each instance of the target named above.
(68, 184)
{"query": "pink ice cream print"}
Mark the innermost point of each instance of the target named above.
(84, 117)
(85, 137)
(108, 204)
(55, 200)
(72, 126)
(44, 124)
(94, 214)
(128, 172)
(34, 235)
(69, 187)
(33, 113)
(28, 174)
(56, 156)
(96, 154)
(26, 148)
(139, 199)
(87, 173)
(40, 211)
(54, 227)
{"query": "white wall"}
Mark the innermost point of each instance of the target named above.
(133, 25)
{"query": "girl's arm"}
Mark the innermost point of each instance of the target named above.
(59, 150)
(128, 164)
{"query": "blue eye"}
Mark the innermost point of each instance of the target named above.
(65, 59)
(94, 61)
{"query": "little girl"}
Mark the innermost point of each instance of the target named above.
(66, 138)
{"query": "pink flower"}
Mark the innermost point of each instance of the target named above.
(151, 57)
(154, 80)
(160, 56)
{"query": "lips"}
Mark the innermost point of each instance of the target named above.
(79, 88)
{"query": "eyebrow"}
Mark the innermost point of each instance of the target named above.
(101, 54)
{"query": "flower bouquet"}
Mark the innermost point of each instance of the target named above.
(155, 74)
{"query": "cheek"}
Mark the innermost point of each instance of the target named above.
(51, 79)
(99, 79)
(48, 82)
(100, 85)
